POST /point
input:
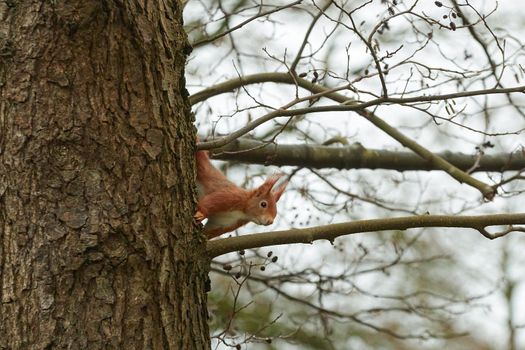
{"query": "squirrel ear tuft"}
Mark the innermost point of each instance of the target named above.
(279, 191)
(267, 186)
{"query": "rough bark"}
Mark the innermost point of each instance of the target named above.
(97, 243)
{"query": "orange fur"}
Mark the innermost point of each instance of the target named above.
(228, 206)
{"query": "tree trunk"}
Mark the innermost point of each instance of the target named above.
(97, 243)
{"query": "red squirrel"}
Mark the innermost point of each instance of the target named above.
(228, 206)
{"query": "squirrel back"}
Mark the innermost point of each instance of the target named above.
(209, 178)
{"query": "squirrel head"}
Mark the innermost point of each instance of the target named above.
(262, 205)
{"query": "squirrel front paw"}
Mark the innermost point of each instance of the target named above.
(199, 216)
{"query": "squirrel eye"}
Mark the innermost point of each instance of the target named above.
(263, 204)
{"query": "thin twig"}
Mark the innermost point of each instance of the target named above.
(242, 24)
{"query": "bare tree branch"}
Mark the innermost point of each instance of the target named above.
(355, 156)
(286, 78)
(487, 191)
(331, 232)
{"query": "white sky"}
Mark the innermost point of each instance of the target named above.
(478, 260)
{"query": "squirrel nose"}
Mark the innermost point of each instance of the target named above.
(268, 221)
